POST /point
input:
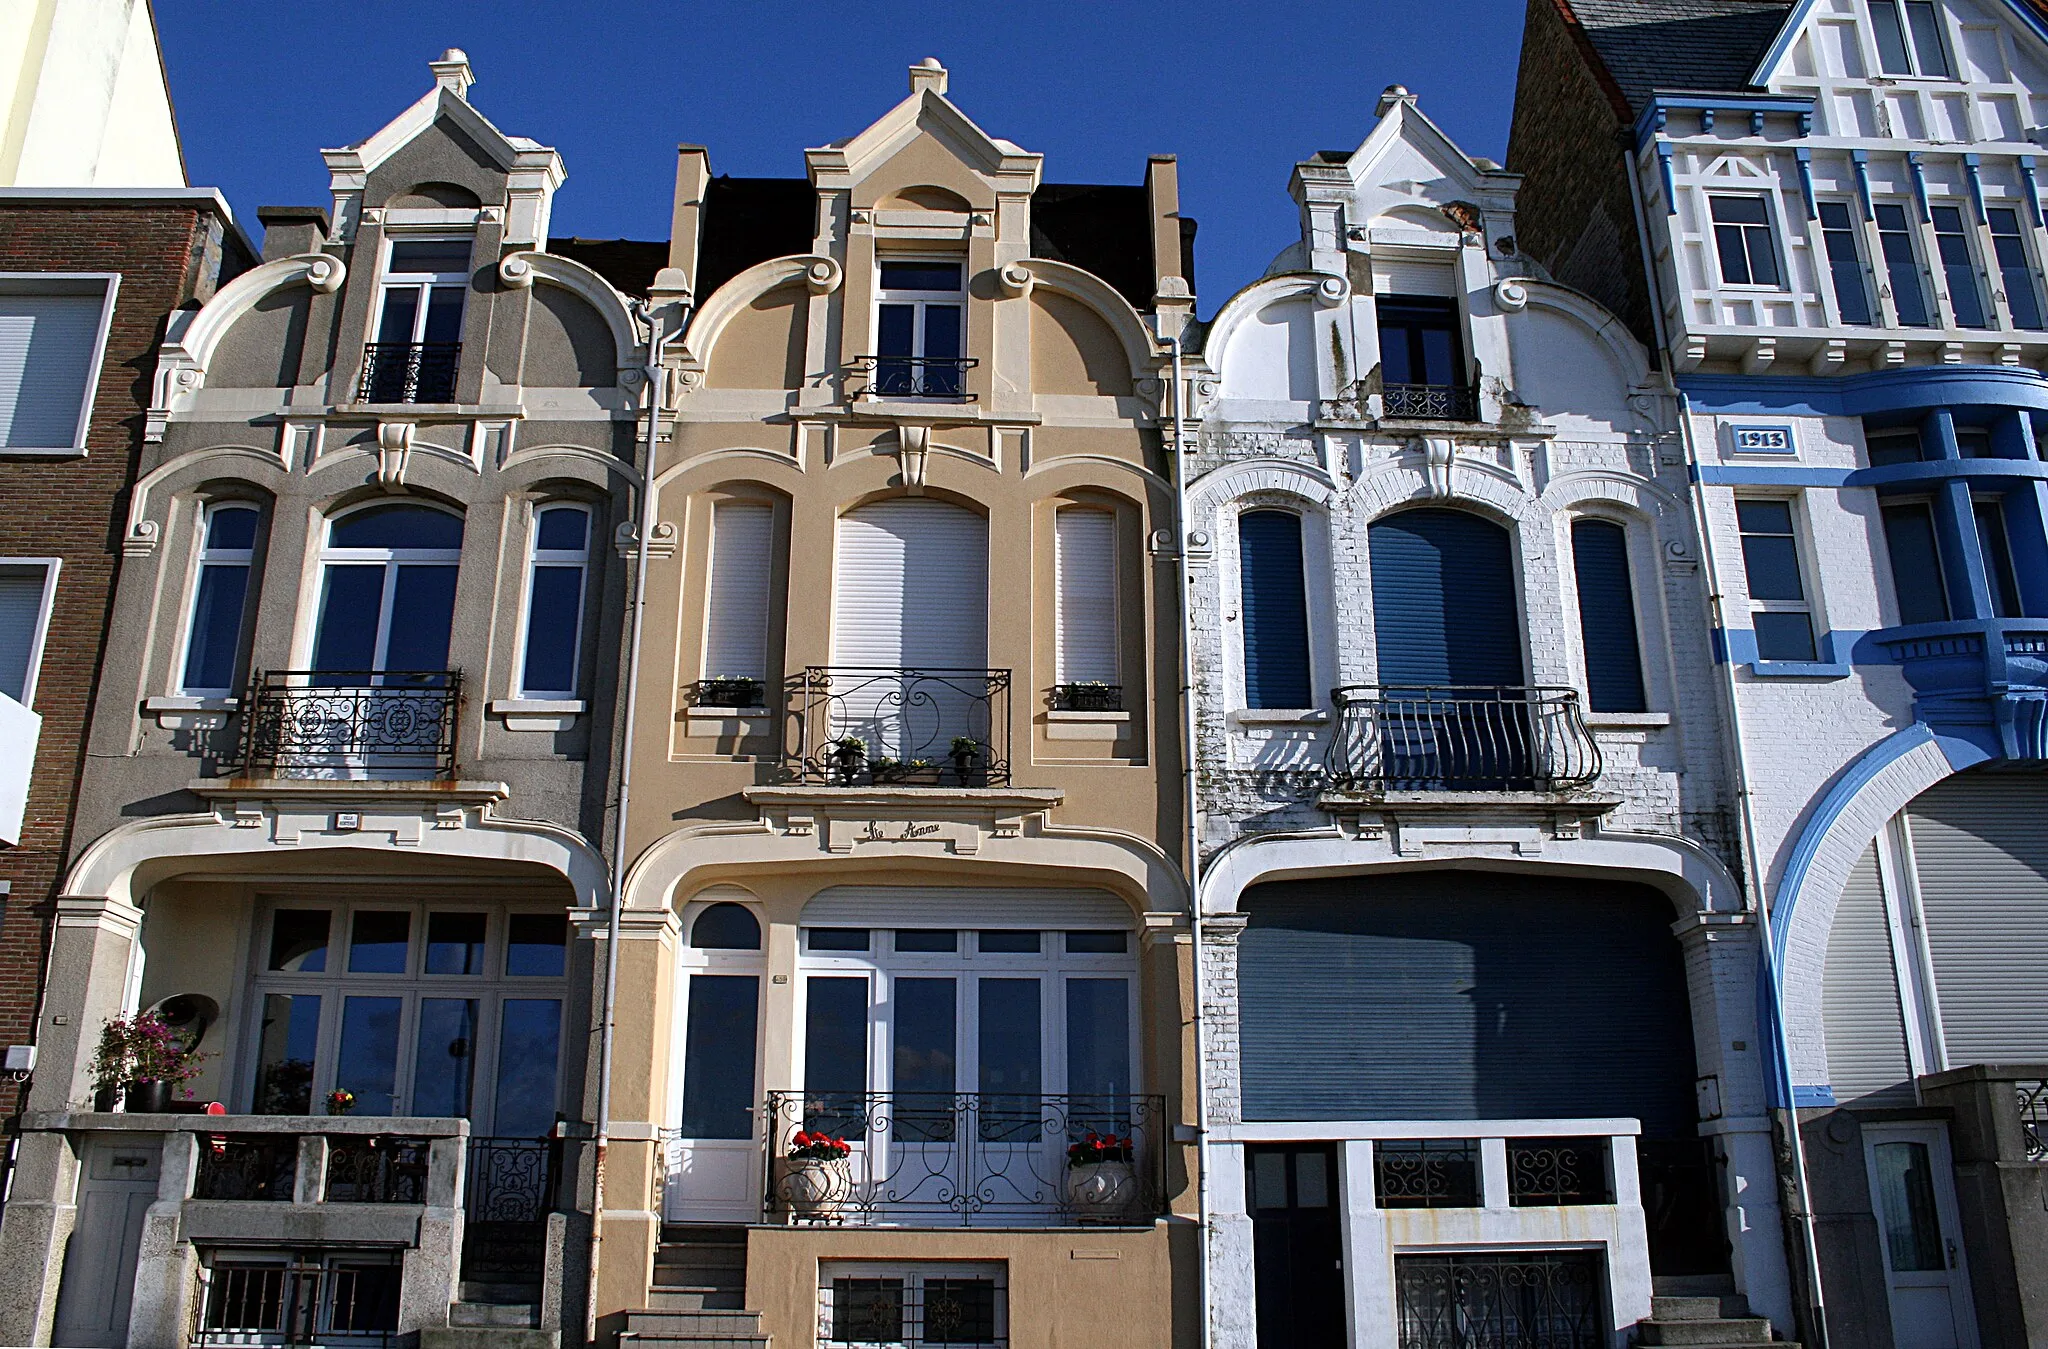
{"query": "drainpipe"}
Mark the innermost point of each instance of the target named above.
(657, 342)
(1800, 1214)
(1192, 812)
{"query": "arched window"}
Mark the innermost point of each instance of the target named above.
(220, 600)
(1607, 617)
(558, 563)
(387, 600)
(726, 927)
(1275, 606)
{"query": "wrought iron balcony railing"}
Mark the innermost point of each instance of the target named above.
(1435, 402)
(915, 376)
(879, 727)
(351, 723)
(969, 1158)
(1470, 738)
(409, 372)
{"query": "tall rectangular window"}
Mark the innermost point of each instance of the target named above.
(1909, 38)
(1997, 550)
(1901, 264)
(1958, 266)
(718, 1056)
(1419, 341)
(1085, 593)
(1607, 617)
(919, 328)
(736, 617)
(1780, 613)
(557, 567)
(1916, 563)
(213, 641)
(1742, 240)
(419, 322)
(51, 345)
(1845, 262)
(27, 592)
(1275, 610)
(2015, 272)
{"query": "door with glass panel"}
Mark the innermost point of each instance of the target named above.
(712, 1152)
(961, 1065)
(368, 1007)
(1913, 1193)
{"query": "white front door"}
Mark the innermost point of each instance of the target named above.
(713, 1157)
(1913, 1193)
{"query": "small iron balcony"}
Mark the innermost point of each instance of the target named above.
(352, 724)
(409, 372)
(902, 728)
(1433, 402)
(915, 376)
(1473, 738)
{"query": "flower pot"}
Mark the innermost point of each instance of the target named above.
(1101, 1191)
(106, 1099)
(815, 1187)
(147, 1097)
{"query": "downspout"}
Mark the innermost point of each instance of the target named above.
(1192, 813)
(1800, 1215)
(657, 342)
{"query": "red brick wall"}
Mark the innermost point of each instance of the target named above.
(75, 509)
(1573, 213)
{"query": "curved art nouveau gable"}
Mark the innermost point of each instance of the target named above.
(719, 308)
(520, 270)
(1261, 344)
(189, 347)
(1100, 297)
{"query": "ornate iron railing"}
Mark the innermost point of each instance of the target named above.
(1417, 737)
(1500, 1300)
(1089, 697)
(914, 376)
(2033, 1102)
(351, 723)
(1434, 402)
(1550, 1172)
(343, 1303)
(967, 1157)
(509, 1190)
(1426, 1173)
(246, 1167)
(902, 728)
(409, 372)
(379, 1169)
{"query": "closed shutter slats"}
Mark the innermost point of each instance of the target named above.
(911, 588)
(1443, 598)
(1395, 277)
(1275, 604)
(1866, 1036)
(46, 345)
(1607, 617)
(736, 631)
(21, 607)
(1087, 584)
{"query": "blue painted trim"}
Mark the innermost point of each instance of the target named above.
(1766, 475)
(1918, 167)
(1798, 669)
(1973, 169)
(1860, 159)
(1914, 389)
(1839, 650)
(2033, 189)
(1805, 158)
(1821, 1097)
(1706, 120)
(1929, 472)
(1655, 116)
(1670, 186)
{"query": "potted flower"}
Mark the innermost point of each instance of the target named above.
(110, 1064)
(729, 691)
(817, 1175)
(966, 750)
(1101, 1183)
(1088, 695)
(848, 754)
(146, 1058)
(340, 1101)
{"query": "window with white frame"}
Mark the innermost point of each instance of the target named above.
(1085, 596)
(53, 334)
(920, 309)
(28, 593)
(1909, 38)
(1781, 614)
(220, 599)
(387, 601)
(557, 570)
(2015, 268)
(737, 605)
(418, 340)
(1901, 264)
(439, 1008)
(1838, 231)
(908, 1305)
(1742, 241)
(1958, 267)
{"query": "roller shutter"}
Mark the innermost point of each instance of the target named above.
(1607, 617)
(1443, 596)
(1086, 563)
(1464, 995)
(911, 587)
(1866, 1034)
(1275, 604)
(21, 612)
(736, 629)
(1981, 854)
(46, 351)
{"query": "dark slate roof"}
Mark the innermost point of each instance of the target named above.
(750, 220)
(1700, 45)
(1105, 229)
(629, 264)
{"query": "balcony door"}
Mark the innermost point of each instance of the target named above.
(910, 630)
(1448, 635)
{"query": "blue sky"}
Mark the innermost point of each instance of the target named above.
(1239, 91)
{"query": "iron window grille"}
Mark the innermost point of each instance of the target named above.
(240, 1167)
(1552, 1172)
(1432, 402)
(301, 1302)
(913, 1305)
(510, 1187)
(1088, 697)
(882, 727)
(409, 372)
(915, 376)
(1426, 1172)
(730, 692)
(1501, 1300)
(377, 1170)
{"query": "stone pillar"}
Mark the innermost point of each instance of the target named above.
(166, 1266)
(41, 1209)
(309, 1179)
(88, 981)
(428, 1281)
(1232, 1312)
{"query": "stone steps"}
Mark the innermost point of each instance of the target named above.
(1703, 1320)
(704, 1328)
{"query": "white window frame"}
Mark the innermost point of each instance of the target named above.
(1917, 237)
(335, 984)
(1772, 233)
(1973, 236)
(1994, 270)
(1866, 265)
(30, 283)
(913, 1272)
(1913, 57)
(422, 282)
(47, 608)
(920, 300)
(391, 559)
(202, 555)
(538, 557)
(1802, 556)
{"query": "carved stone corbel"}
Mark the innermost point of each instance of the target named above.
(913, 448)
(1439, 453)
(394, 454)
